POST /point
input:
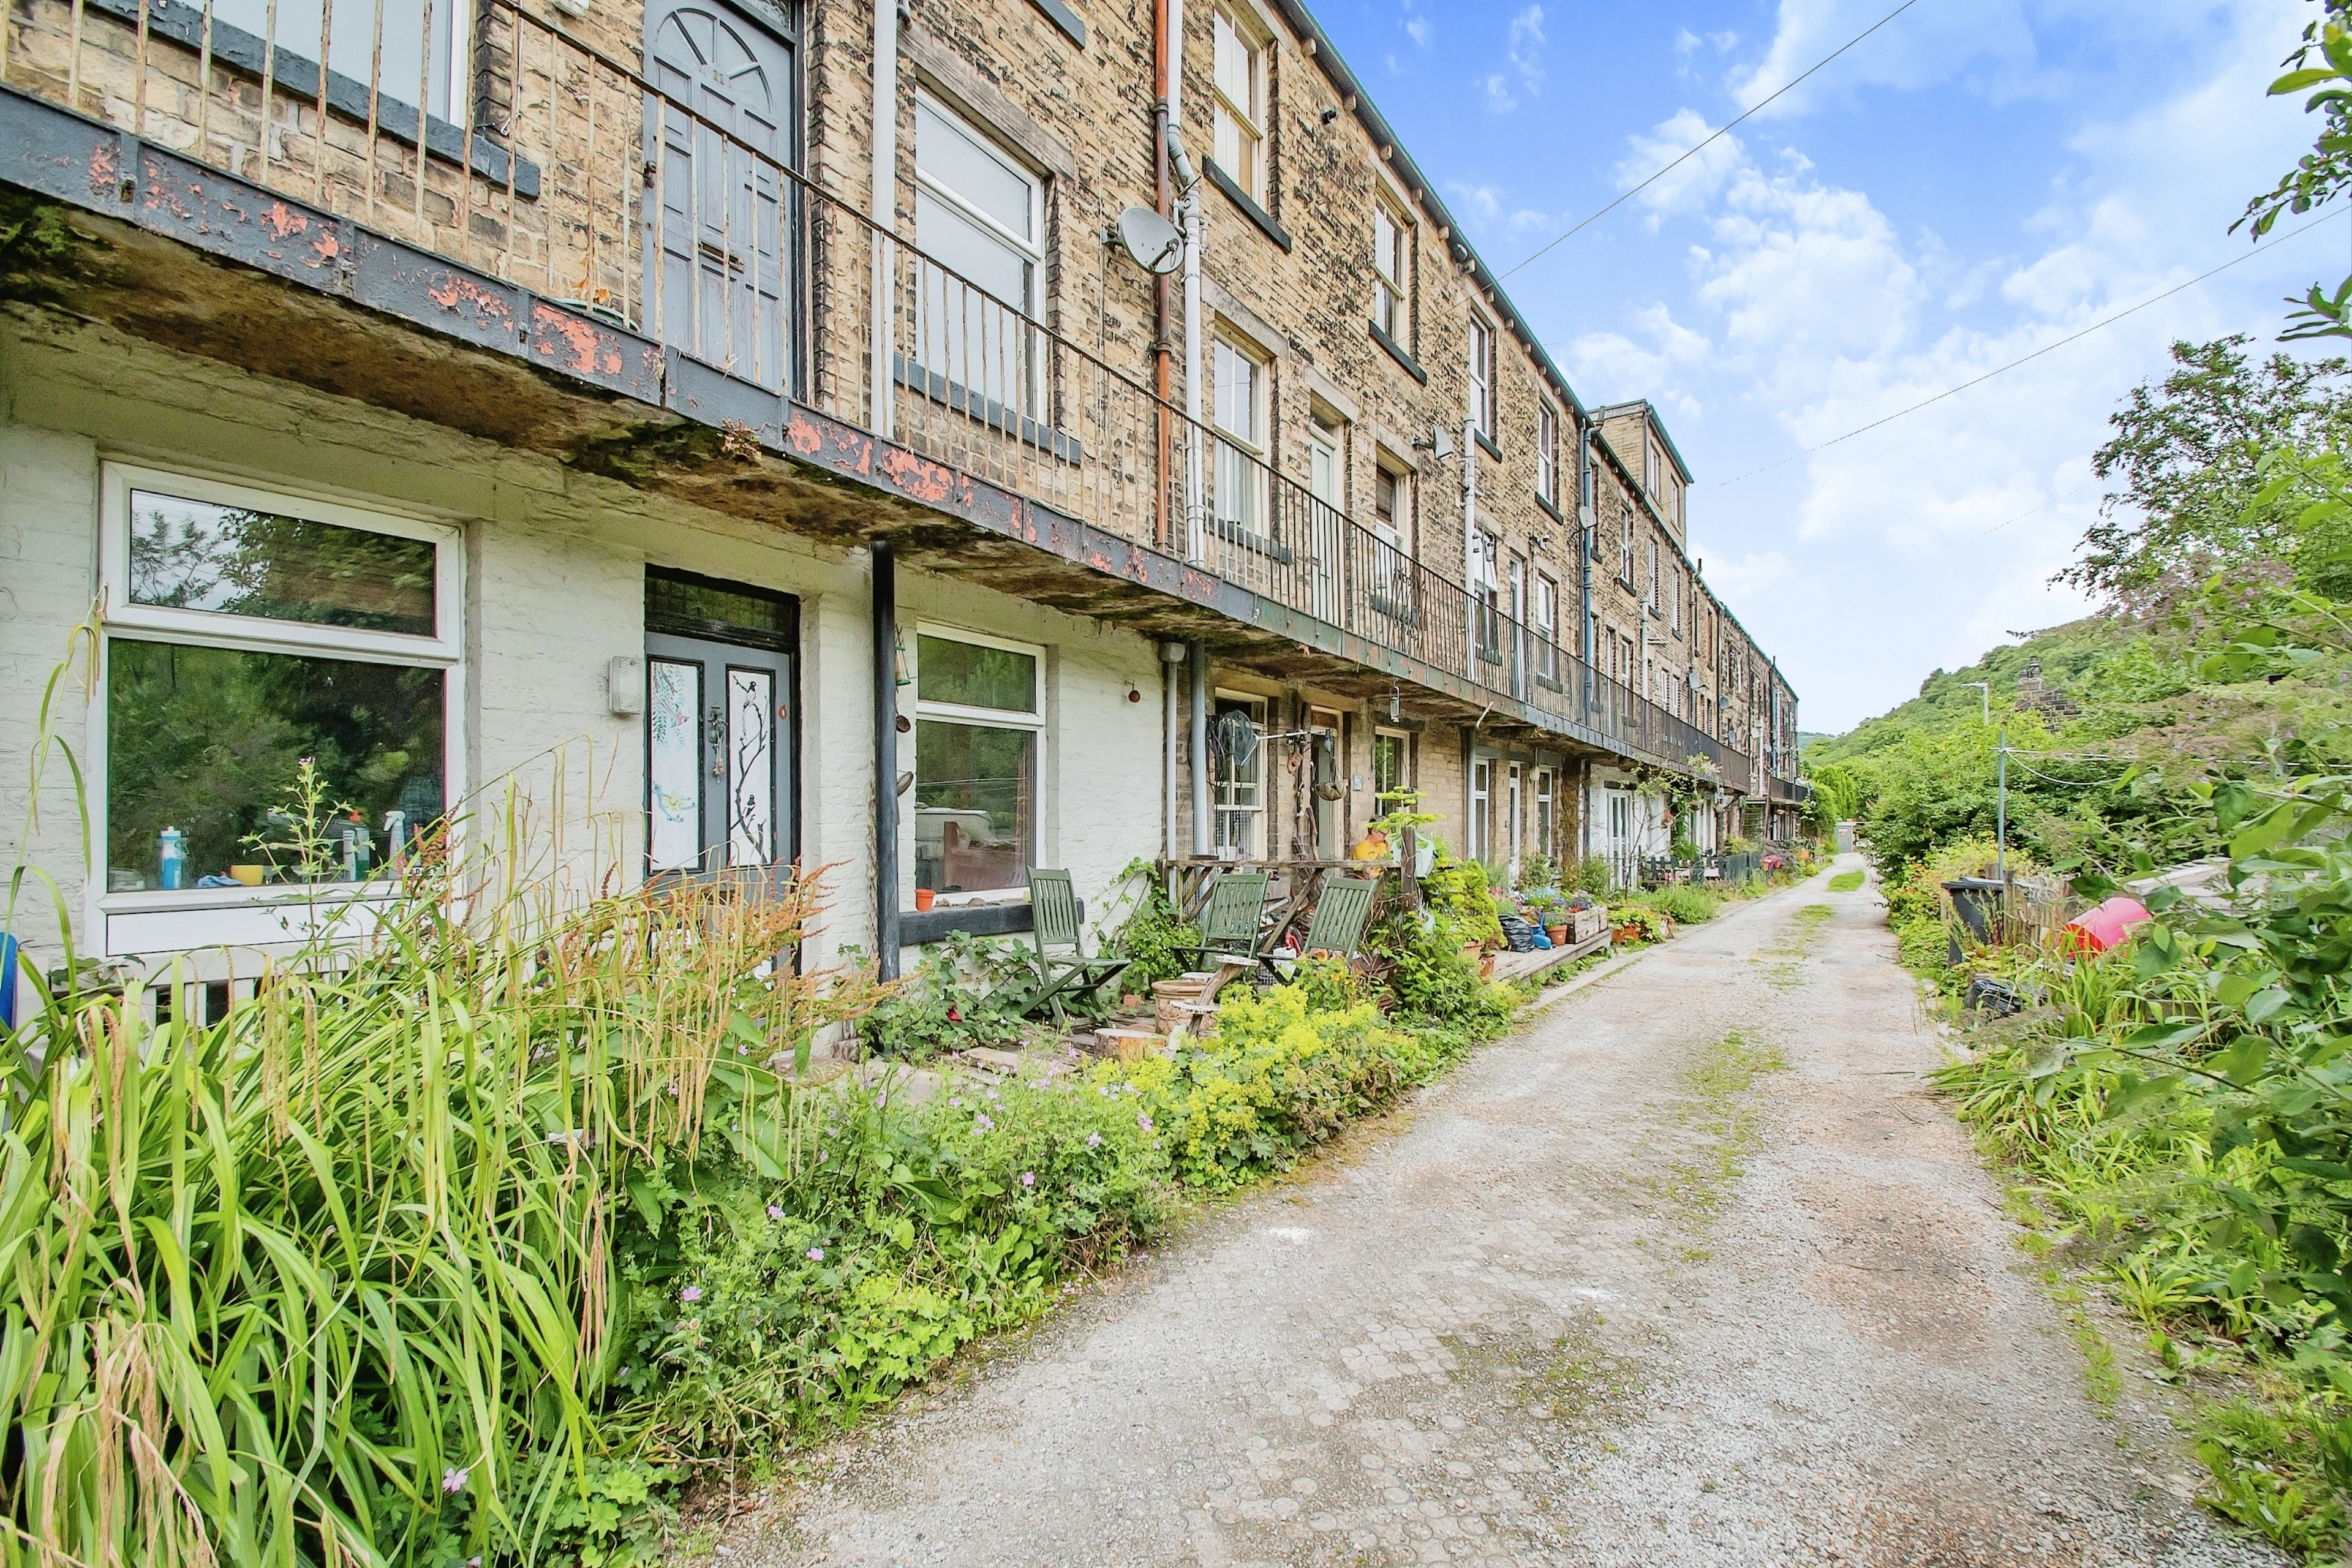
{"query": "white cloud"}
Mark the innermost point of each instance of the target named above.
(1528, 46)
(1484, 202)
(1808, 307)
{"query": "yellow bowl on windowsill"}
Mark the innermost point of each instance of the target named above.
(250, 876)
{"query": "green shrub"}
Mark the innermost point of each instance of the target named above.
(1648, 923)
(1460, 897)
(1431, 985)
(1153, 938)
(1592, 876)
(1682, 903)
(1276, 1080)
(967, 991)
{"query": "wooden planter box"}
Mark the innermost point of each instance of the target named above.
(1585, 924)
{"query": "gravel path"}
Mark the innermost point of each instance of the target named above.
(1691, 1269)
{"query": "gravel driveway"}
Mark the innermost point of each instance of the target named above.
(1691, 1269)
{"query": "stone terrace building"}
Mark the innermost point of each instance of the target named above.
(739, 429)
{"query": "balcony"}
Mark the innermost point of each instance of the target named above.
(687, 303)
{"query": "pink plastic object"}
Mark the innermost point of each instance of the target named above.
(2096, 930)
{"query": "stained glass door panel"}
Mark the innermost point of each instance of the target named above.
(674, 764)
(718, 757)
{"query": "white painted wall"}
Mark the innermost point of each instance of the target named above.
(555, 588)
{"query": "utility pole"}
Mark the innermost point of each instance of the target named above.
(2000, 809)
(1985, 687)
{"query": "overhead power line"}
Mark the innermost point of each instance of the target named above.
(1713, 136)
(2022, 359)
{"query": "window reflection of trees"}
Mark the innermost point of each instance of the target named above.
(195, 555)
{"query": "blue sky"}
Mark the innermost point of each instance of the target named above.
(1977, 180)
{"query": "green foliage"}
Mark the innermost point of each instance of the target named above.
(1459, 894)
(1277, 1079)
(1847, 882)
(1680, 902)
(1432, 986)
(1156, 942)
(967, 991)
(1540, 870)
(1593, 876)
(1648, 922)
(2322, 67)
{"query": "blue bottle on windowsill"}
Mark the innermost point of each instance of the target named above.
(171, 858)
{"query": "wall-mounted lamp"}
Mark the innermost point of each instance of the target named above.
(1330, 115)
(1396, 703)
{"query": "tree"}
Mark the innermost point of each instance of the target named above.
(2186, 457)
(2324, 61)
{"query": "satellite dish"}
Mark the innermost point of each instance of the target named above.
(1152, 240)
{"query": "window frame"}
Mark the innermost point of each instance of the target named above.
(1032, 722)
(127, 621)
(1482, 805)
(1253, 449)
(1625, 545)
(1546, 453)
(1032, 247)
(1397, 320)
(1482, 375)
(1252, 118)
(1221, 809)
(1404, 753)
(1543, 619)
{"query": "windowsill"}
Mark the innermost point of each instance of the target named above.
(1394, 609)
(1062, 16)
(298, 77)
(1486, 442)
(1244, 200)
(150, 900)
(1491, 655)
(1235, 533)
(978, 898)
(988, 411)
(1550, 511)
(1396, 352)
(1549, 682)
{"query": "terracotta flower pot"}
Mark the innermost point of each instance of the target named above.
(924, 899)
(1559, 935)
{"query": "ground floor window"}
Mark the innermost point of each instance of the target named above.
(1391, 765)
(1238, 775)
(1545, 825)
(278, 678)
(980, 718)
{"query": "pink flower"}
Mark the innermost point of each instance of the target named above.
(691, 1293)
(1143, 1121)
(1094, 1140)
(775, 1211)
(1028, 1179)
(983, 1125)
(452, 1479)
(816, 1254)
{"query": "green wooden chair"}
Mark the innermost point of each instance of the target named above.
(1063, 969)
(1230, 925)
(1341, 911)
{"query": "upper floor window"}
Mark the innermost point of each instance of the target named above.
(1547, 454)
(1674, 581)
(1543, 620)
(1388, 273)
(980, 216)
(1625, 545)
(1240, 69)
(1486, 592)
(1653, 599)
(1239, 381)
(1650, 464)
(1482, 376)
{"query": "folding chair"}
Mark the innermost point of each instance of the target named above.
(1342, 910)
(1229, 926)
(1063, 969)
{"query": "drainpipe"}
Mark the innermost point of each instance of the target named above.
(1188, 211)
(1587, 527)
(1172, 666)
(886, 756)
(1200, 784)
(1470, 538)
(884, 213)
(1162, 367)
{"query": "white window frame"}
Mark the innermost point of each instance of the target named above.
(1547, 810)
(1032, 721)
(1482, 805)
(1392, 300)
(1546, 453)
(202, 910)
(1031, 246)
(1674, 581)
(1404, 738)
(1251, 466)
(1650, 468)
(1625, 546)
(1248, 120)
(1543, 616)
(1224, 805)
(1482, 375)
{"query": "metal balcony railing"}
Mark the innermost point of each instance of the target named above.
(504, 140)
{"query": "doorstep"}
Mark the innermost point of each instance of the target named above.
(1527, 965)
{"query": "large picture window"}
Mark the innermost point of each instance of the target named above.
(979, 722)
(249, 634)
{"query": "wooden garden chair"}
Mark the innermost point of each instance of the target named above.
(1337, 927)
(1230, 925)
(1063, 969)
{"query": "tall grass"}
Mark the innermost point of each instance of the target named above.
(329, 1280)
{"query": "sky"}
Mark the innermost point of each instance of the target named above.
(1977, 180)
